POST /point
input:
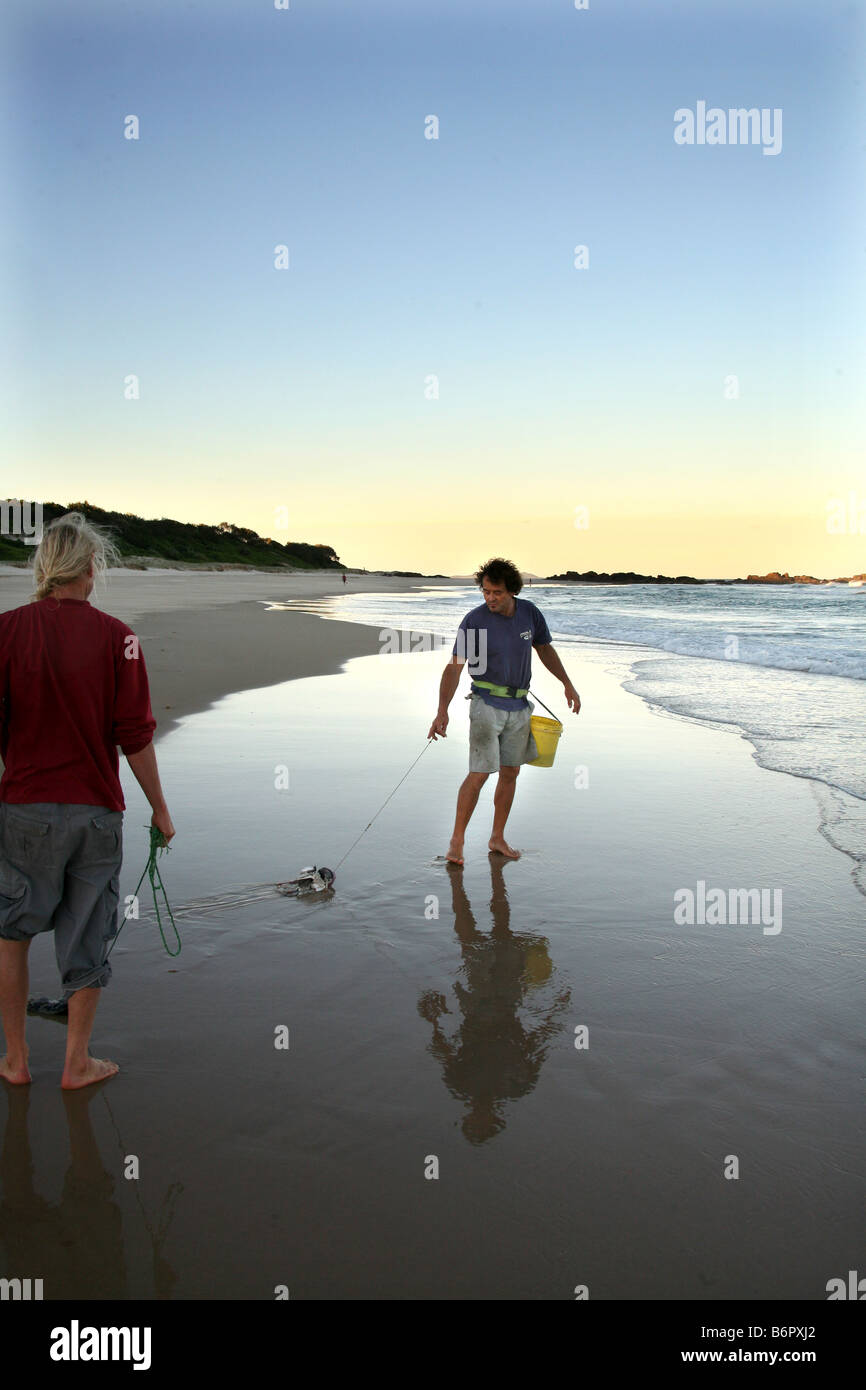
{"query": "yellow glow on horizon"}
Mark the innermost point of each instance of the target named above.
(649, 508)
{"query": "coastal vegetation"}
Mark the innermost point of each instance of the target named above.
(139, 540)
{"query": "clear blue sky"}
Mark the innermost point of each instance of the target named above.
(262, 388)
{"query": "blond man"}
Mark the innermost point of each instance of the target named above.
(73, 686)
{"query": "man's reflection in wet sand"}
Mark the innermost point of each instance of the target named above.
(495, 1054)
(75, 1246)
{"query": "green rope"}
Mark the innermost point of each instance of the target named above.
(158, 844)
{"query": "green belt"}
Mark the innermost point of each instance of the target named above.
(510, 692)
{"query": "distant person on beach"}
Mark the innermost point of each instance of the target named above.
(496, 640)
(73, 686)
(344, 579)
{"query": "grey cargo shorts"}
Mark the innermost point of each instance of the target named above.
(499, 737)
(60, 872)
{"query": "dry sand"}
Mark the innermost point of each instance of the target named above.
(206, 634)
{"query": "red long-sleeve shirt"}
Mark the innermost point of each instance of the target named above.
(73, 685)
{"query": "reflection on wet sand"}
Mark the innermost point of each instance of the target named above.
(75, 1246)
(495, 1054)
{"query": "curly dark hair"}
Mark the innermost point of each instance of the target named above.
(501, 571)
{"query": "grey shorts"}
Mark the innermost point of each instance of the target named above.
(499, 737)
(60, 872)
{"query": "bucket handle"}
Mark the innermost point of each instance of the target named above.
(544, 706)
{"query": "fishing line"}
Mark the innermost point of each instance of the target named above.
(166, 1212)
(385, 802)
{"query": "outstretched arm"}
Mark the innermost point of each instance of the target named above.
(447, 686)
(549, 658)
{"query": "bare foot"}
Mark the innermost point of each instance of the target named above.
(455, 852)
(497, 845)
(94, 1069)
(16, 1076)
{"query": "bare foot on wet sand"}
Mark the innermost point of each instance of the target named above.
(497, 845)
(16, 1076)
(455, 852)
(94, 1069)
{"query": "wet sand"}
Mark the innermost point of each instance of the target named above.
(432, 1015)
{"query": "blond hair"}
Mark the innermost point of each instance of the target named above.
(64, 554)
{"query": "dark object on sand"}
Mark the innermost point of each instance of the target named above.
(311, 880)
(40, 1006)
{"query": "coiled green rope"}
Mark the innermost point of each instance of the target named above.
(158, 845)
(42, 1007)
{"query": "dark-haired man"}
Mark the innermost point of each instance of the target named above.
(496, 641)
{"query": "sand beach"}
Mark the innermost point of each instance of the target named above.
(501, 1082)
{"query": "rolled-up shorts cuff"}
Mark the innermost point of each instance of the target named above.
(13, 934)
(94, 979)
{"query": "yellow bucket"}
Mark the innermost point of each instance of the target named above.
(546, 733)
(538, 967)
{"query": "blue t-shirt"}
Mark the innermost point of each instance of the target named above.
(499, 649)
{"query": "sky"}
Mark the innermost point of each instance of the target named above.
(431, 380)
